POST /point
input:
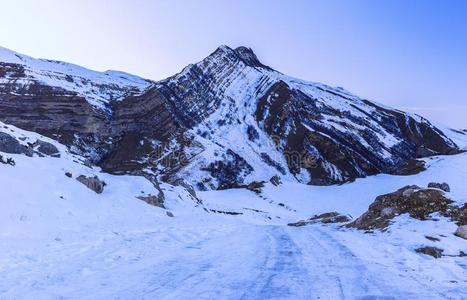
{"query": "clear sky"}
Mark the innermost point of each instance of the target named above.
(411, 54)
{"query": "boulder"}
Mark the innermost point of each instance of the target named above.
(325, 218)
(7, 161)
(461, 231)
(458, 214)
(153, 200)
(9, 144)
(46, 148)
(275, 180)
(431, 251)
(255, 186)
(441, 186)
(93, 183)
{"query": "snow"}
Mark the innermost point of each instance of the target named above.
(59, 239)
(236, 89)
(97, 87)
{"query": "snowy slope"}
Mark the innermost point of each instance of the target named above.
(99, 88)
(62, 240)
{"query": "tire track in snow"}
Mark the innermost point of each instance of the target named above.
(282, 273)
(339, 274)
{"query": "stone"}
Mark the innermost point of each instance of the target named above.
(461, 231)
(255, 186)
(431, 238)
(7, 161)
(275, 180)
(10, 145)
(325, 218)
(441, 186)
(47, 148)
(93, 183)
(153, 200)
(431, 251)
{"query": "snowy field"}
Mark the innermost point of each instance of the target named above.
(60, 240)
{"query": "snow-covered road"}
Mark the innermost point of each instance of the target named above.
(230, 261)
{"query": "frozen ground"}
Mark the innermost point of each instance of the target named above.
(59, 240)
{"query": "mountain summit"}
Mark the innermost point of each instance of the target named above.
(222, 122)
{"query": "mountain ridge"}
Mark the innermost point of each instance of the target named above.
(223, 121)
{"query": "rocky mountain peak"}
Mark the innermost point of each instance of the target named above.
(242, 53)
(248, 56)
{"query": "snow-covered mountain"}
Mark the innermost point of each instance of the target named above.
(82, 209)
(19, 73)
(225, 121)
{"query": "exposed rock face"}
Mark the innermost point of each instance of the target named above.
(93, 183)
(419, 203)
(227, 120)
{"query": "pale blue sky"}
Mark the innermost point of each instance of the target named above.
(410, 54)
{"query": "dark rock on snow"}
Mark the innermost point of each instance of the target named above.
(7, 161)
(46, 148)
(275, 180)
(326, 218)
(441, 186)
(9, 144)
(431, 251)
(93, 183)
(431, 238)
(153, 200)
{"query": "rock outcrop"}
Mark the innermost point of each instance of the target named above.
(418, 202)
